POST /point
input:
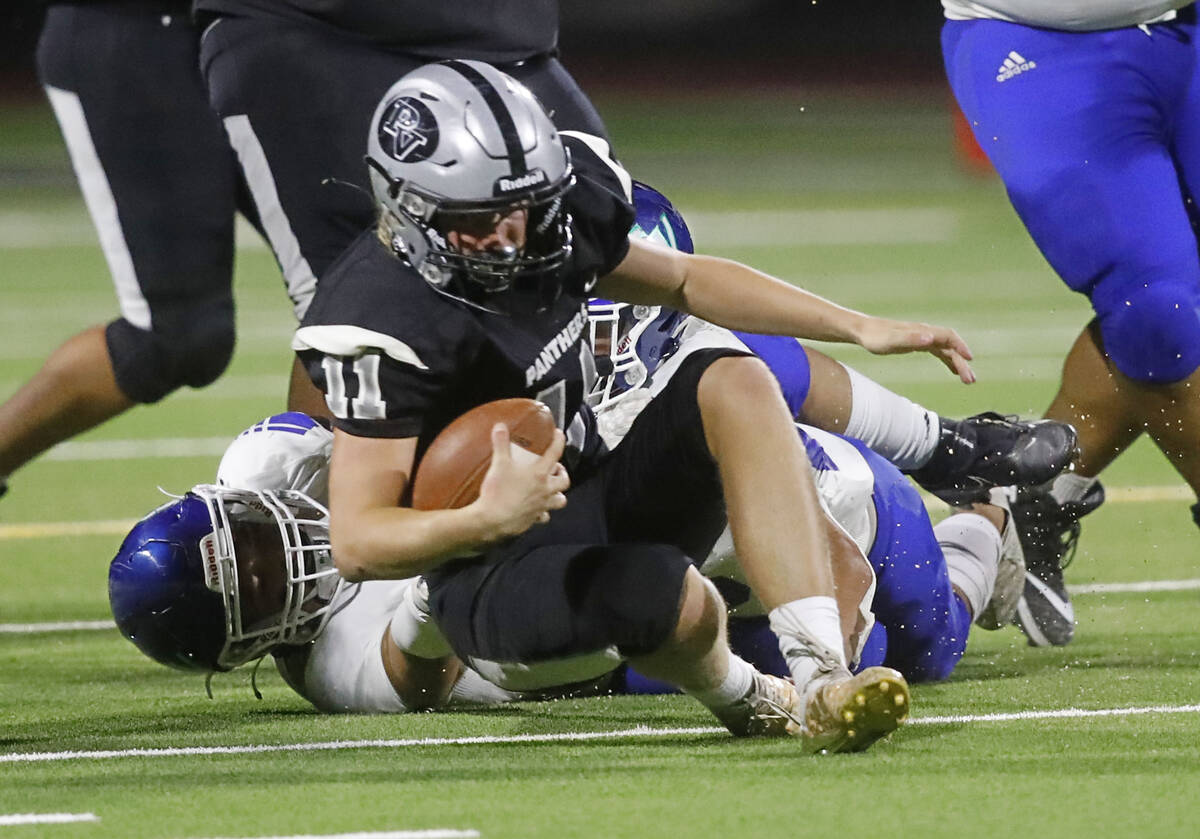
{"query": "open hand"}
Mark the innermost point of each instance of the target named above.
(887, 337)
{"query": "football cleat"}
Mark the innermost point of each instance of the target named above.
(848, 713)
(988, 450)
(998, 612)
(1049, 533)
(771, 708)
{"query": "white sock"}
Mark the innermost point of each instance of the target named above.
(810, 637)
(412, 627)
(473, 689)
(895, 427)
(1071, 487)
(971, 545)
(733, 687)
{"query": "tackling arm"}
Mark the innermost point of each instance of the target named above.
(738, 297)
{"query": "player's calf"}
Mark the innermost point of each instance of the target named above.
(984, 559)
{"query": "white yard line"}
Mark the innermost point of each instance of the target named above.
(1063, 713)
(46, 818)
(1133, 588)
(1090, 588)
(885, 226)
(74, 451)
(214, 446)
(55, 626)
(720, 229)
(227, 387)
(1113, 495)
(564, 737)
(55, 529)
(434, 833)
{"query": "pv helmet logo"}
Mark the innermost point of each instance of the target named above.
(408, 130)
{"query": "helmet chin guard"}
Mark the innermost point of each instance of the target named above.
(459, 145)
(181, 583)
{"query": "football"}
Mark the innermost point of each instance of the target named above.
(450, 473)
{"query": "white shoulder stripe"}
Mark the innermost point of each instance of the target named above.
(604, 151)
(354, 340)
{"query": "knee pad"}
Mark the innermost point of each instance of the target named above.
(149, 364)
(1151, 331)
(633, 595)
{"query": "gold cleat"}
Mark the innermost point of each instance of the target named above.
(849, 714)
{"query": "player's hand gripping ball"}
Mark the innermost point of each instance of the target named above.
(453, 468)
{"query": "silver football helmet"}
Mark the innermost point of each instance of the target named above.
(459, 146)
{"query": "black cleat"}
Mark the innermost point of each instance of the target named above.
(1049, 534)
(989, 450)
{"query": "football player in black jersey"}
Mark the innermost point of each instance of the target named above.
(494, 227)
(162, 186)
(296, 81)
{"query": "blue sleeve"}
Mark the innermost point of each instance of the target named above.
(787, 360)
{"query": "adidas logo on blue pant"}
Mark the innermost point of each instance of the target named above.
(1014, 65)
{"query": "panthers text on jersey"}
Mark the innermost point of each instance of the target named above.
(397, 358)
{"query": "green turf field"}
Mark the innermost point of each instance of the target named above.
(855, 196)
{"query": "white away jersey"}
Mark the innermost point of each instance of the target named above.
(1070, 15)
(341, 671)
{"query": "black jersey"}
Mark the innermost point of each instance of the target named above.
(397, 358)
(497, 31)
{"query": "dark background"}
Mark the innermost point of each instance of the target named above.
(681, 41)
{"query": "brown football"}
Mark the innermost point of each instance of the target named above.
(450, 473)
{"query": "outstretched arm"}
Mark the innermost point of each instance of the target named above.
(736, 296)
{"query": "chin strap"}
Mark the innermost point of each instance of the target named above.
(254, 679)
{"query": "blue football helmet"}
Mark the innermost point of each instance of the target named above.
(181, 592)
(631, 341)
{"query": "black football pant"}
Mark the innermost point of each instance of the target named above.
(160, 181)
(602, 580)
